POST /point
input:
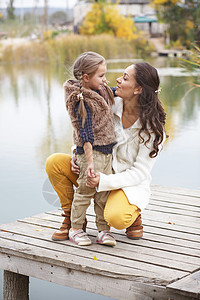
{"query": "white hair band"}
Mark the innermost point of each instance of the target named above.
(158, 91)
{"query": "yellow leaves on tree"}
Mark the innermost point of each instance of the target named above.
(105, 18)
(189, 25)
(163, 2)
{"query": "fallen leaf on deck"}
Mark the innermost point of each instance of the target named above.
(95, 258)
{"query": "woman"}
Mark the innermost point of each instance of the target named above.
(139, 127)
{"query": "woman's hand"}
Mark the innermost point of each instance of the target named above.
(94, 181)
(74, 167)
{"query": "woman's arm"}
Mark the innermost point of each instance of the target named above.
(138, 172)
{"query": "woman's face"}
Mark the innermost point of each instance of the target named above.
(127, 86)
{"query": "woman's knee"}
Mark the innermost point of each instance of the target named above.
(56, 162)
(117, 219)
(50, 163)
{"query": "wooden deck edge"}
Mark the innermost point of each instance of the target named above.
(8, 254)
(116, 288)
(188, 286)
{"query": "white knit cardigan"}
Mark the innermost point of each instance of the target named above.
(131, 162)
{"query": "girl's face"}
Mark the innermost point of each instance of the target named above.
(96, 80)
(127, 86)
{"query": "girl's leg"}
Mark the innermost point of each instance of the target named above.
(58, 168)
(120, 214)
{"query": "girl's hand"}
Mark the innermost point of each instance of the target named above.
(93, 182)
(90, 171)
(74, 167)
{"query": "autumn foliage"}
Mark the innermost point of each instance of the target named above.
(105, 18)
(182, 19)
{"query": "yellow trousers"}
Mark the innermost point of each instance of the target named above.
(118, 212)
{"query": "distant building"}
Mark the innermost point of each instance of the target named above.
(147, 20)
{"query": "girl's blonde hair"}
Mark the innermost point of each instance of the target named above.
(87, 63)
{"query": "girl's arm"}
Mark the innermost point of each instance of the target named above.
(87, 138)
(89, 156)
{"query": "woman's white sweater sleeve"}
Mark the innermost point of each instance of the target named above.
(138, 172)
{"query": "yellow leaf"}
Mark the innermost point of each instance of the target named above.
(95, 258)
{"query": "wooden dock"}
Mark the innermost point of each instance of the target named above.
(163, 265)
(173, 53)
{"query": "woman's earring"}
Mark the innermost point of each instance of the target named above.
(135, 93)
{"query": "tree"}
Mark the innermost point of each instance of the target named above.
(10, 10)
(45, 15)
(105, 18)
(183, 19)
(58, 17)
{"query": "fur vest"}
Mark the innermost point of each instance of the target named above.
(101, 110)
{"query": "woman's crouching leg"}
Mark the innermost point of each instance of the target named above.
(58, 168)
(119, 213)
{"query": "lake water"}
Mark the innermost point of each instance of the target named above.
(34, 124)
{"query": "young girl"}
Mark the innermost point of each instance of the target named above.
(89, 104)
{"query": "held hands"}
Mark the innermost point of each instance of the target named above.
(92, 178)
(91, 181)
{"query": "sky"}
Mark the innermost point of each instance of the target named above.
(32, 3)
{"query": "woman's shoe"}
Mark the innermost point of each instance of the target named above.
(135, 231)
(63, 233)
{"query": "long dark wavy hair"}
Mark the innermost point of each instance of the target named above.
(152, 115)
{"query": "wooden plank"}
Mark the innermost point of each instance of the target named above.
(171, 226)
(165, 203)
(170, 210)
(116, 288)
(176, 190)
(153, 243)
(74, 262)
(150, 250)
(89, 265)
(145, 221)
(123, 247)
(174, 198)
(157, 235)
(161, 216)
(121, 236)
(130, 255)
(137, 260)
(188, 286)
(173, 218)
(148, 229)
